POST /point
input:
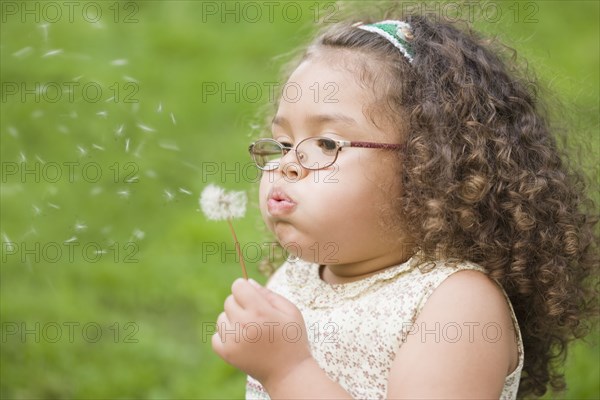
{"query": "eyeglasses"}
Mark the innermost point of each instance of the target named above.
(312, 153)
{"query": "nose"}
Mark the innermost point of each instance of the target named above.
(290, 168)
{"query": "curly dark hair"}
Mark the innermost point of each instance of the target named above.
(484, 179)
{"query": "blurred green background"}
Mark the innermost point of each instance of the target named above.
(114, 116)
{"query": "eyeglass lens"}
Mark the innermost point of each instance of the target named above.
(312, 153)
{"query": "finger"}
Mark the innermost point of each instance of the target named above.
(218, 346)
(232, 309)
(279, 302)
(247, 296)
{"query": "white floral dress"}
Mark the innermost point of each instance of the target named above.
(355, 329)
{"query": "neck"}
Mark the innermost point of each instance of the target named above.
(351, 272)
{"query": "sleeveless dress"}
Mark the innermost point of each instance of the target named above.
(354, 329)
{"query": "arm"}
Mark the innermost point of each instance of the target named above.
(461, 346)
(254, 335)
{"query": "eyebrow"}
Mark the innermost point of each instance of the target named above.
(318, 119)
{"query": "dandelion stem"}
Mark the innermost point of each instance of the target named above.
(237, 248)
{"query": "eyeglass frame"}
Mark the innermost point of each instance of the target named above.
(340, 144)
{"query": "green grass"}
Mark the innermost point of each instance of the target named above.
(174, 288)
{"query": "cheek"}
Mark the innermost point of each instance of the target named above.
(263, 192)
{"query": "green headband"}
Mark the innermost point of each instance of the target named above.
(396, 32)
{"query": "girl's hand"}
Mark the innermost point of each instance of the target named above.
(261, 333)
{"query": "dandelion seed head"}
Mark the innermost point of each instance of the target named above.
(218, 204)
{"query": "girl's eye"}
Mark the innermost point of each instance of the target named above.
(327, 145)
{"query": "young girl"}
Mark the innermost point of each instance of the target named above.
(441, 248)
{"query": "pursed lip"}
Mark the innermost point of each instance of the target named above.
(279, 203)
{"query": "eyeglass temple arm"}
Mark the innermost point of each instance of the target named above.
(371, 145)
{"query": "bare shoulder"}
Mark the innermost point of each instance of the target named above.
(460, 346)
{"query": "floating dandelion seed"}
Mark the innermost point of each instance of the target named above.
(82, 150)
(185, 191)
(55, 206)
(36, 210)
(22, 157)
(169, 146)
(71, 239)
(173, 119)
(30, 232)
(96, 190)
(217, 204)
(102, 114)
(138, 234)
(146, 128)
(23, 52)
(119, 62)
(136, 153)
(123, 193)
(159, 109)
(52, 53)
(130, 79)
(80, 226)
(109, 99)
(40, 159)
(44, 28)
(127, 145)
(9, 246)
(97, 147)
(119, 130)
(168, 195)
(13, 131)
